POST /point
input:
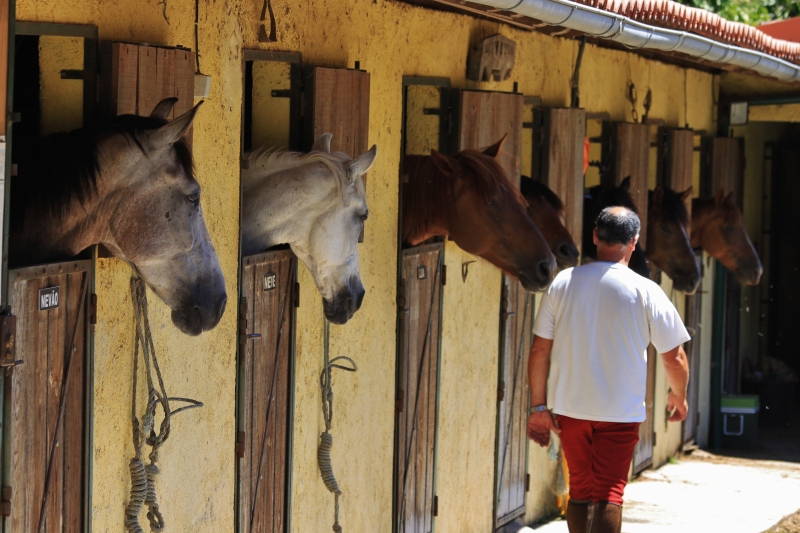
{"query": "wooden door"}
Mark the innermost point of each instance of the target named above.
(266, 353)
(559, 135)
(47, 411)
(516, 336)
(643, 453)
(694, 306)
(416, 425)
(723, 160)
(626, 148)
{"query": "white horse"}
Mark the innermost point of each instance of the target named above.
(316, 203)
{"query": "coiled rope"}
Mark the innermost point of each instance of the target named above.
(143, 477)
(325, 438)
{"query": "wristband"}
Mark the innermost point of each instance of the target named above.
(537, 409)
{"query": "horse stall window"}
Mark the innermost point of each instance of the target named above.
(723, 165)
(46, 412)
(416, 424)
(558, 160)
(483, 119)
(267, 315)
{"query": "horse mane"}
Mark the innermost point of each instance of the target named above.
(428, 186)
(609, 195)
(274, 160)
(532, 187)
(674, 207)
(65, 165)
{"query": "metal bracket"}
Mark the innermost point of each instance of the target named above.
(5, 502)
(71, 74)
(398, 403)
(501, 391)
(465, 270)
(8, 341)
(241, 436)
(281, 93)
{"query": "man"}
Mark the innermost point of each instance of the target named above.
(590, 337)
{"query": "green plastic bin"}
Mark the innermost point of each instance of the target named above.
(739, 422)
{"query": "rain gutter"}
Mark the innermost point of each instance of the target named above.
(637, 35)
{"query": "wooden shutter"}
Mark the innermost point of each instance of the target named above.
(135, 77)
(675, 155)
(265, 369)
(627, 149)
(417, 388)
(339, 104)
(558, 160)
(484, 117)
(44, 339)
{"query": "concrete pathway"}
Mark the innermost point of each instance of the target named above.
(706, 493)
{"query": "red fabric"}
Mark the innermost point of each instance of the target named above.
(598, 457)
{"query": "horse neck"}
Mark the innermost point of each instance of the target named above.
(702, 209)
(427, 200)
(278, 210)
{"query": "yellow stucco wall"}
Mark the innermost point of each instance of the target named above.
(774, 113)
(390, 39)
(61, 100)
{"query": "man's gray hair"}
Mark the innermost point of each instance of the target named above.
(617, 225)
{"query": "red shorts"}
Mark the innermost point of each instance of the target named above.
(598, 456)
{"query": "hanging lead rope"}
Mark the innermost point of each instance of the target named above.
(143, 477)
(325, 438)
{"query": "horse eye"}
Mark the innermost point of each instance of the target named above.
(727, 228)
(194, 198)
(365, 216)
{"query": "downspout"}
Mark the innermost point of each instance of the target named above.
(635, 35)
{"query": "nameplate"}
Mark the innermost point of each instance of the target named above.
(48, 298)
(270, 281)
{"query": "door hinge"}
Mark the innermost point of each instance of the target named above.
(8, 338)
(398, 402)
(435, 506)
(297, 294)
(401, 296)
(71, 74)
(240, 438)
(243, 335)
(501, 391)
(444, 274)
(655, 435)
(527, 482)
(93, 309)
(5, 502)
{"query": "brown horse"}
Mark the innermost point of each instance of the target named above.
(546, 210)
(668, 245)
(469, 198)
(129, 185)
(718, 228)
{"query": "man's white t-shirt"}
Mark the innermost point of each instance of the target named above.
(601, 318)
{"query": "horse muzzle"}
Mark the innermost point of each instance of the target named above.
(538, 278)
(566, 255)
(345, 303)
(687, 283)
(196, 318)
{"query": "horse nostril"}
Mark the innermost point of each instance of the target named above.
(543, 270)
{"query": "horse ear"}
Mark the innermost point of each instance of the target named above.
(446, 164)
(323, 143)
(626, 184)
(361, 164)
(169, 133)
(686, 194)
(164, 108)
(658, 195)
(494, 149)
(731, 199)
(719, 199)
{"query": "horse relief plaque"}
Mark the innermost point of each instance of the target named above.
(48, 298)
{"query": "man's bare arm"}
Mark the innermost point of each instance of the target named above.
(677, 369)
(540, 424)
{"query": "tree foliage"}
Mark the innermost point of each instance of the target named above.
(751, 12)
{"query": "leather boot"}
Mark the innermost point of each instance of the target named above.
(607, 518)
(578, 516)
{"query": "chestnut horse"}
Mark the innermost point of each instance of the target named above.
(546, 210)
(129, 185)
(469, 198)
(668, 245)
(718, 228)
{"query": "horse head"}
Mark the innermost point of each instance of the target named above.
(486, 216)
(718, 228)
(156, 223)
(668, 244)
(130, 186)
(316, 203)
(547, 212)
(598, 198)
